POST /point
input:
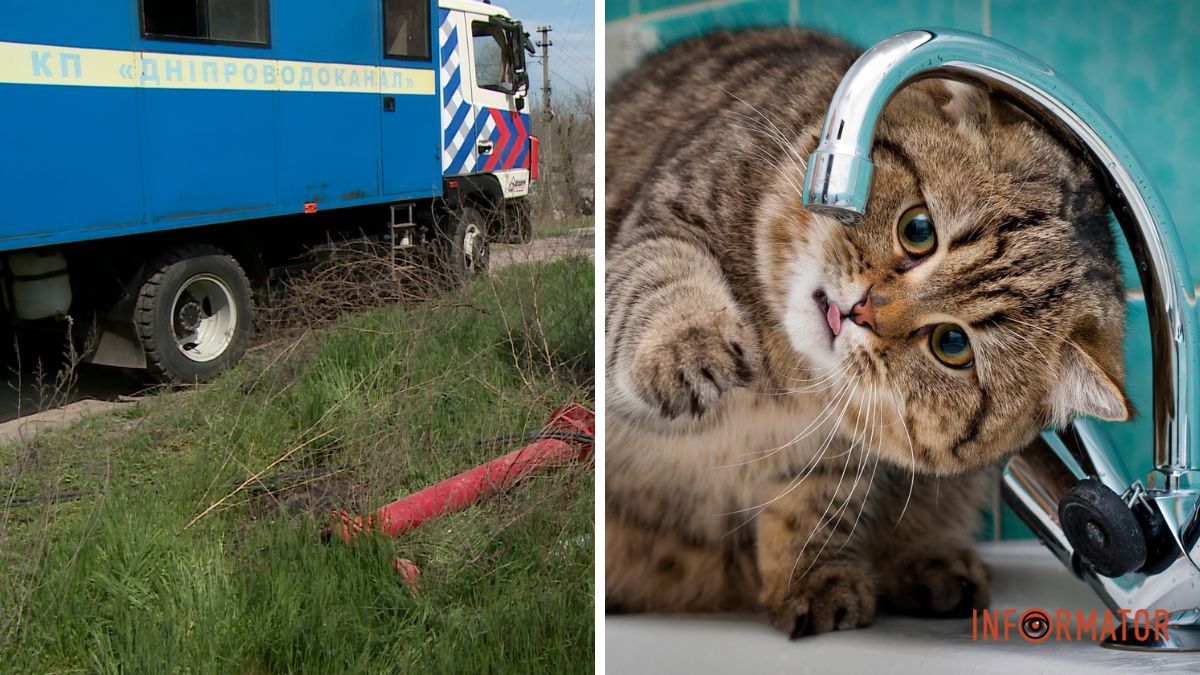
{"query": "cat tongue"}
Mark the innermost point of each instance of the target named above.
(834, 316)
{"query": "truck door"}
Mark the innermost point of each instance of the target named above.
(494, 82)
(459, 152)
(409, 101)
(207, 139)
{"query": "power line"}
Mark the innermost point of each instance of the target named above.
(569, 83)
(583, 69)
(571, 23)
(545, 43)
(565, 66)
(574, 45)
(575, 61)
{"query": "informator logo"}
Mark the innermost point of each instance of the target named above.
(1039, 625)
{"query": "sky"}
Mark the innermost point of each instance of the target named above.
(573, 52)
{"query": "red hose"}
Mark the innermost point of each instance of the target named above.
(468, 487)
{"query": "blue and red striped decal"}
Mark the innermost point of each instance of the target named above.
(509, 138)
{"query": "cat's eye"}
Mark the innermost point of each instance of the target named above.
(951, 346)
(916, 233)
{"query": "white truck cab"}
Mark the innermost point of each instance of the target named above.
(484, 84)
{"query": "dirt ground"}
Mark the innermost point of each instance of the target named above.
(547, 248)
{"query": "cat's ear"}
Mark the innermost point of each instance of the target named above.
(962, 103)
(969, 105)
(1084, 388)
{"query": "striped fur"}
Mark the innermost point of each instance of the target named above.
(754, 461)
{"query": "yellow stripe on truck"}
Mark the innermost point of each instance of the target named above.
(22, 63)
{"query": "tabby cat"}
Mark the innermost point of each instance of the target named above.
(761, 359)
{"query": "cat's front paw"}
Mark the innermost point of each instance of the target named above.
(686, 367)
(939, 583)
(834, 596)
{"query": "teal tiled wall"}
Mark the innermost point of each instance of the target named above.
(1138, 61)
(617, 9)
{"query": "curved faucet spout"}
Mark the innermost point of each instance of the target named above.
(838, 182)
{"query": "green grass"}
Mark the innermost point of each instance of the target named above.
(550, 229)
(395, 399)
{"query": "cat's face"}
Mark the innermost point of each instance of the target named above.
(979, 301)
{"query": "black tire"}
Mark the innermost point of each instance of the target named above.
(524, 226)
(182, 289)
(460, 264)
(518, 224)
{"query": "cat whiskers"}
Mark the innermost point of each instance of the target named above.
(815, 369)
(800, 477)
(825, 385)
(900, 413)
(830, 379)
(826, 520)
(828, 523)
(862, 467)
(1047, 331)
(826, 413)
(773, 163)
(1052, 334)
(757, 131)
(1028, 342)
(825, 375)
(774, 131)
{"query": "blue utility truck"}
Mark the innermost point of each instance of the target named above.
(160, 157)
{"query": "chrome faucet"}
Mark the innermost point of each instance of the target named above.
(1136, 543)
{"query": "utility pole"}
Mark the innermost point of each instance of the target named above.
(545, 43)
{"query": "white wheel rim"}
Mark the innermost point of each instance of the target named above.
(203, 318)
(472, 245)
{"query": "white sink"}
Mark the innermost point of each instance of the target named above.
(1024, 575)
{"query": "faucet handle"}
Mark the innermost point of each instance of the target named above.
(1103, 530)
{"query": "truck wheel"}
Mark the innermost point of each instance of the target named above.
(193, 314)
(524, 226)
(463, 246)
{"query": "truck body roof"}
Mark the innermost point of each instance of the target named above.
(473, 6)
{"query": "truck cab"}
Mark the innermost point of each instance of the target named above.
(485, 79)
(164, 157)
(487, 148)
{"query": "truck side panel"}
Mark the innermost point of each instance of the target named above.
(411, 145)
(99, 24)
(55, 165)
(411, 125)
(212, 153)
(60, 172)
(328, 145)
(117, 134)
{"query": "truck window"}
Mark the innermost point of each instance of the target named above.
(406, 29)
(493, 68)
(245, 21)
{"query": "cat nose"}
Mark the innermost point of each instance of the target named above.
(863, 314)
